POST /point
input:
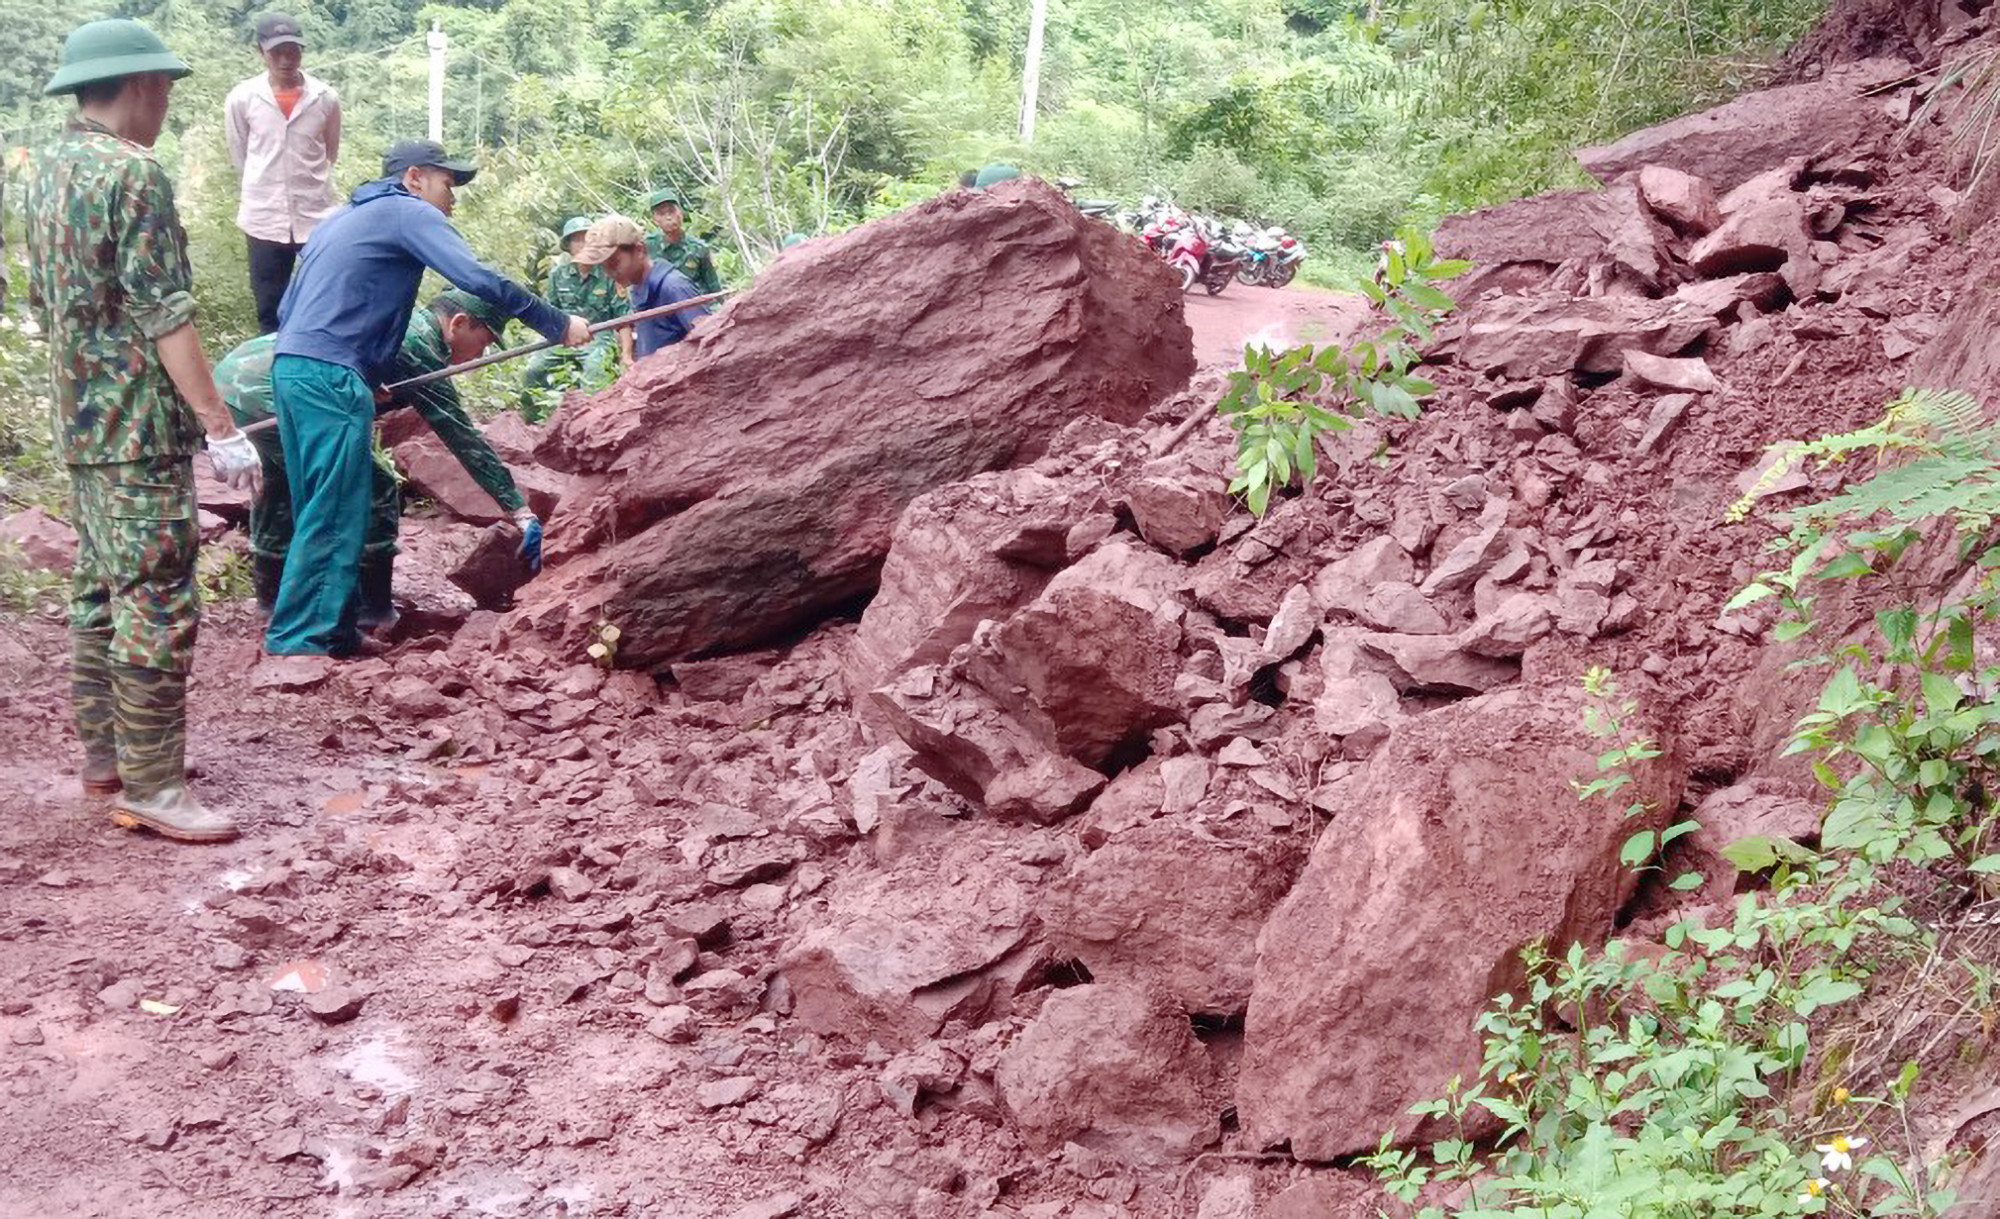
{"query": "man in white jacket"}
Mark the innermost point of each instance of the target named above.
(284, 135)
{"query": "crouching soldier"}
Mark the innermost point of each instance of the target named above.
(457, 327)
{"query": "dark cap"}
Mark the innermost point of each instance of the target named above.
(406, 153)
(483, 311)
(277, 29)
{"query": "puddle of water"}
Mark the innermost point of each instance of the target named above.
(376, 1061)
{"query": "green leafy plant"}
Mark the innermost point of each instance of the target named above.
(1281, 404)
(1666, 1084)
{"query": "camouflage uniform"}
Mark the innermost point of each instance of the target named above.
(244, 376)
(108, 275)
(690, 256)
(592, 295)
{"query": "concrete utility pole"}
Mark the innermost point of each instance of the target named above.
(437, 42)
(1031, 71)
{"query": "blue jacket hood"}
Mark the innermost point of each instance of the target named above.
(376, 189)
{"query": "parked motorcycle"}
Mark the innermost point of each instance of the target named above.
(1273, 258)
(1097, 209)
(1226, 260)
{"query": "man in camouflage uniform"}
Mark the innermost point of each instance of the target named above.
(672, 244)
(589, 293)
(457, 327)
(109, 281)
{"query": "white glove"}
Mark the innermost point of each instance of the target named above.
(234, 460)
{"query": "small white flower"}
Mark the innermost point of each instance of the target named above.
(598, 651)
(1837, 1156)
(1815, 1188)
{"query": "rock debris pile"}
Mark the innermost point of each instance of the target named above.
(1123, 826)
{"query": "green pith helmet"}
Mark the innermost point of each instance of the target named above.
(575, 225)
(458, 300)
(107, 50)
(993, 174)
(666, 194)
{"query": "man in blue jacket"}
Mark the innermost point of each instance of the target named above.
(339, 327)
(616, 244)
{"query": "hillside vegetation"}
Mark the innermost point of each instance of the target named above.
(1339, 120)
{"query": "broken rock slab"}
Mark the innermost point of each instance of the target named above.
(434, 472)
(1115, 1069)
(1094, 657)
(747, 482)
(1689, 375)
(955, 560)
(1740, 139)
(1160, 908)
(1686, 202)
(1467, 844)
(491, 571)
(1437, 663)
(40, 540)
(1528, 339)
(903, 950)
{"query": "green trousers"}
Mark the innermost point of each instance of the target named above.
(587, 367)
(271, 511)
(134, 615)
(326, 417)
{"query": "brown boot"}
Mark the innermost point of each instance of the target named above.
(175, 814)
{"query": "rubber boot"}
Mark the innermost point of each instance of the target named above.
(152, 759)
(376, 609)
(96, 710)
(265, 573)
(176, 814)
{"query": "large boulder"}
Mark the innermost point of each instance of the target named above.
(902, 951)
(1161, 907)
(960, 554)
(746, 482)
(1740, 139)
(1464, 843)
(1115, 1069)
(1525, 339)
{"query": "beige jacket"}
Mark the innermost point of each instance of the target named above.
(287, 164)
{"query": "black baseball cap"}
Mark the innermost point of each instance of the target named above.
(404, 154)
(277, 29)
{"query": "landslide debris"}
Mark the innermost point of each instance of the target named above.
(739, 486)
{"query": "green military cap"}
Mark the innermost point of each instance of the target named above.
(575, 225)
(107, 50)
(994, 174)
(666, 194)
(457, 300)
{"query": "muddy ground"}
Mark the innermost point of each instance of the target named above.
(160, 1051)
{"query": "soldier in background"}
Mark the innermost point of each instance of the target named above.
(109, 281)
(674, 246)
(589, 293)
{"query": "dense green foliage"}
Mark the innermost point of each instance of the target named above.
(1340, 120)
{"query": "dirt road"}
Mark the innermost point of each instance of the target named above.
(1276, 317)
(504, 913)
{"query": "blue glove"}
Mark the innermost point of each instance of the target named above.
(531, 540)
